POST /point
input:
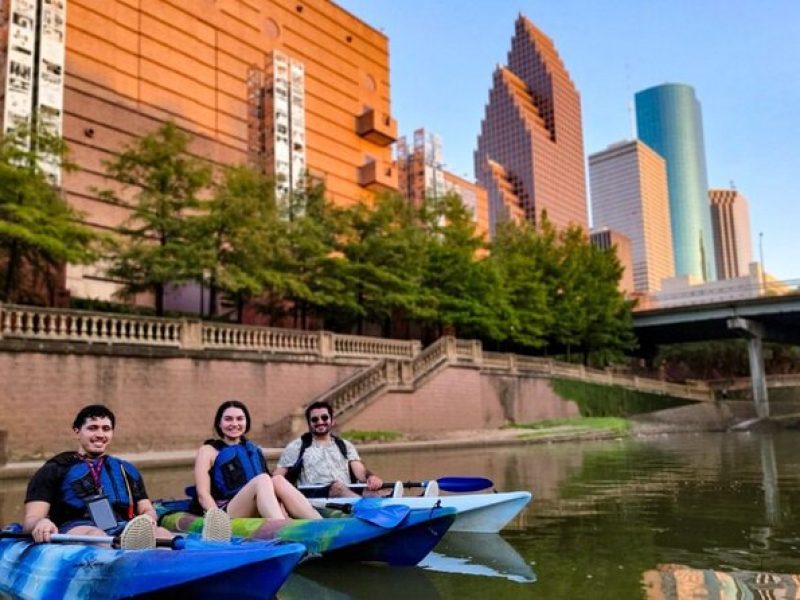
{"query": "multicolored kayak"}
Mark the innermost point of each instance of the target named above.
(475, 513)
(403, 538)
(32, 571)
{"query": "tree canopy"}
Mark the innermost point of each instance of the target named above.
(39, 231)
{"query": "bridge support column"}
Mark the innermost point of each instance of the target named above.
(754, 332)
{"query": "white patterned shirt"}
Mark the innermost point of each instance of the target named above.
(322, 463)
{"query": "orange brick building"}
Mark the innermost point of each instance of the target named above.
(226, 71)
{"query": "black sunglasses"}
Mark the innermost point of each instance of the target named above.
(317, 419)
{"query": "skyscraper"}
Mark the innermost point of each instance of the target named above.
(669, 120)
(530, 148)
(421, 173)
(732, 243)
(628, 183)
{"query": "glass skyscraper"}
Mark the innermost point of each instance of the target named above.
(668, 119)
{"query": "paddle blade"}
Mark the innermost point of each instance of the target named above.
(464, 484)
(388, 517)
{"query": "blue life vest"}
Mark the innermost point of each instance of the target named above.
(117, 478)
(234, 467)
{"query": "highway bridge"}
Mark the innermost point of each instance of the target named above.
(766, 318)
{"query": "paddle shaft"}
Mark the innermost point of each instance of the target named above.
(447, 484)
(65, 538)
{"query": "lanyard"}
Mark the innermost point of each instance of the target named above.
(95, 469)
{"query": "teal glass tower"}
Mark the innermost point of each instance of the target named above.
(668, 119)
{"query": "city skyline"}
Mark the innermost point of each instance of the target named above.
(442, 55)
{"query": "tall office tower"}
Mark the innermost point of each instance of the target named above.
(669, 120)
(606, 239)
(628, 183)
(420, 170)
(421, 173)
(530, 148)
(732, 243)
(294, 88)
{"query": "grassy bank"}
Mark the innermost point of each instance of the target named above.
(596, 400)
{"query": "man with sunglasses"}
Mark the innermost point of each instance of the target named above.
(320, 458)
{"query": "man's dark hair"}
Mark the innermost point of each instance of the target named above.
(225, 406)
(315, 406)
(93, 411)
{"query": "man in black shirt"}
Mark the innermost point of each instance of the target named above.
(90, 492)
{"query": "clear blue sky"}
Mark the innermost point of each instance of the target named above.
(741, 56)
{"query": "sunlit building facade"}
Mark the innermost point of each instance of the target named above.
(529, 155)
(628, 183)
(730, 219)
(294, 88)
(669, 120)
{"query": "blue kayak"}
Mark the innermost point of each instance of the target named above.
(395, 535)
(200, 570)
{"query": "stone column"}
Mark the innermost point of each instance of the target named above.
(754, 332)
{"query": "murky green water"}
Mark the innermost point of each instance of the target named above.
(678, 516)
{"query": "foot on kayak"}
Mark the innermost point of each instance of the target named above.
(139, 534)
(217, 526)
(397, 491)
(432, 489)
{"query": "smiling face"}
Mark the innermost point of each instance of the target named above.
(94, 436)
(233, 424)
(319, 422)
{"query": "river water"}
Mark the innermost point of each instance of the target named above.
(674, 516)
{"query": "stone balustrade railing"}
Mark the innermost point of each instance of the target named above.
(49, 324)
(400, 363)
(64, 325)
(355, 389)
(359, 345)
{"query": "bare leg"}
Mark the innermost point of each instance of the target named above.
(256, 498)
(296, 504)
(86, 530)
(340, 490)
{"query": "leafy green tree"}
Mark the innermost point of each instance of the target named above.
(464, 287)
(523, 258)
(243, 237)
(39, 231)
(591, 314)
(156, 245)
(316, 282)
(384, 251)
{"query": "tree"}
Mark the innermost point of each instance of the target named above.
(39, 231)
(523, 257)
(156, 246)
(463, 285)
(242, 235)
(384, 251)
(591, 314)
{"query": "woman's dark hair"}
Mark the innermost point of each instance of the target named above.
(226, 405)
(93, 411)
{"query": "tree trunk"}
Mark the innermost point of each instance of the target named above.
(11, 272)
(159, 289)
(213, 292)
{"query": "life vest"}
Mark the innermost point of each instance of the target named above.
(293, 472)
(234, 467)
(116, 480)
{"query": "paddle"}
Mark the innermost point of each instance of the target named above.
(176, 543)
(369, 510)
(446, 484)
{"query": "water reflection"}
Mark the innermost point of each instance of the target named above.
(487, 555)
(678, 582)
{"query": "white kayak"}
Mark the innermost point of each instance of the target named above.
(475, 513)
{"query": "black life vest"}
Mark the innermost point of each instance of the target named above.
(234, 466)
(293, 472)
